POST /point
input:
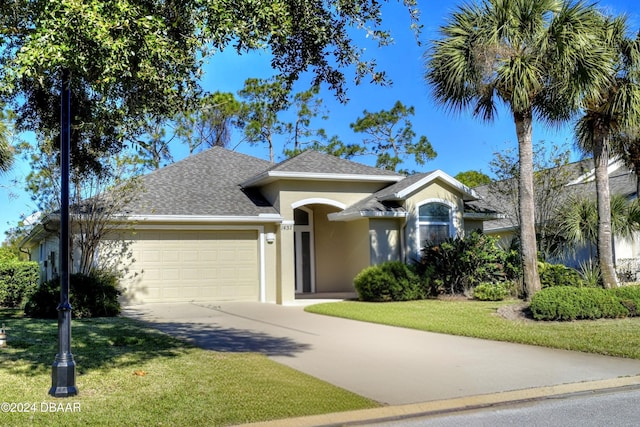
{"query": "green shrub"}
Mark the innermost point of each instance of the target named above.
(389, 281)
(558, 275)
(571, 303)
(94, 295)
(459, 264)
(629, 296)
(591, 274)
(491, 291)
(18, 280)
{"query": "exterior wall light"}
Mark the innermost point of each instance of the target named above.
(271, 237)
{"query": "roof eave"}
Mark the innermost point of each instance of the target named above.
(204, 219)
(338, 216)
(483, 216)
(271, 176)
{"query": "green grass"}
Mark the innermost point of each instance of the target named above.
(617, 337)
(180, 385)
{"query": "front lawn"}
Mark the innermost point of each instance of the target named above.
(618, 337)
(128, 374)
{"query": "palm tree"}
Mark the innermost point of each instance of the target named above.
(577, 220)
(536, 57)
(611, 108)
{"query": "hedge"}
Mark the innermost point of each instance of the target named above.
(571, 303)
(18, 280)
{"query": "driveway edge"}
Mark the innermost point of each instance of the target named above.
(389, 413)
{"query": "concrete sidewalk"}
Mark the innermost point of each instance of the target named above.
(394, 366)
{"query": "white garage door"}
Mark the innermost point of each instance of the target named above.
(180, 266)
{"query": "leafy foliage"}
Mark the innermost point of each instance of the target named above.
(591, 274)
(491, 291)
(263, 100)
(571, 303)
(576, 220)
(473, 178)
(93, 295)
(629, 297)
(18, 280)
(457, 265)
(391, 137)
(210, 123)
(133, 62)
(559, 275)
(6, 153)
(389, 281)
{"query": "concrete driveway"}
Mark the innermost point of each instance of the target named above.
(391, 365)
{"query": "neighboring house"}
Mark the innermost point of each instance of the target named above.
(221, 225)
(580, 182)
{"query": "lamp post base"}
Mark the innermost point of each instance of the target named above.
(63, 378)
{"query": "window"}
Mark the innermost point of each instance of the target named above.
(434, 221)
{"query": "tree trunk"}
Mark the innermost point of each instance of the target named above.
(605, 246)
(526, 203)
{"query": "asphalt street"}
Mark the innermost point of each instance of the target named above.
(617, 408)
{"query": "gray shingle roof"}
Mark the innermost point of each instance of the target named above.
(371, 206)
(206, 184)
(384, 201)
(621, 181)
(401, 185)
(316, 162)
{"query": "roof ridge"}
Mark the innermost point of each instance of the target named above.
(310, 154)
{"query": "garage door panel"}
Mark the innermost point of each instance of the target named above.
(195, 266)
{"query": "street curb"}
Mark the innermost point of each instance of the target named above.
(389, 413)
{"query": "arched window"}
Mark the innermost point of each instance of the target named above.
(434, 223)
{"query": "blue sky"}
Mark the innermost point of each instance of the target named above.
(461, 141)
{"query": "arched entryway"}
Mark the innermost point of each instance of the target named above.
(327, 254)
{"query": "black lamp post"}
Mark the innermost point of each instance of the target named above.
(63, 372)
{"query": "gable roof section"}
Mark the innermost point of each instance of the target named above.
(315, 166)
(206, 184)
(387, 202)
(414, 183)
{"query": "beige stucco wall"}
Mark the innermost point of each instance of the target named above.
(436, 191)
(341, 250)
(270, 259)
(284, 193)
(505, 237)
(358, 253)
(439, 192)
(333, 273)
(385, 240)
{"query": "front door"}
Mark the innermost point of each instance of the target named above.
(303, 245)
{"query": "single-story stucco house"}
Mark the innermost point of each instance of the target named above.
(221, 225)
